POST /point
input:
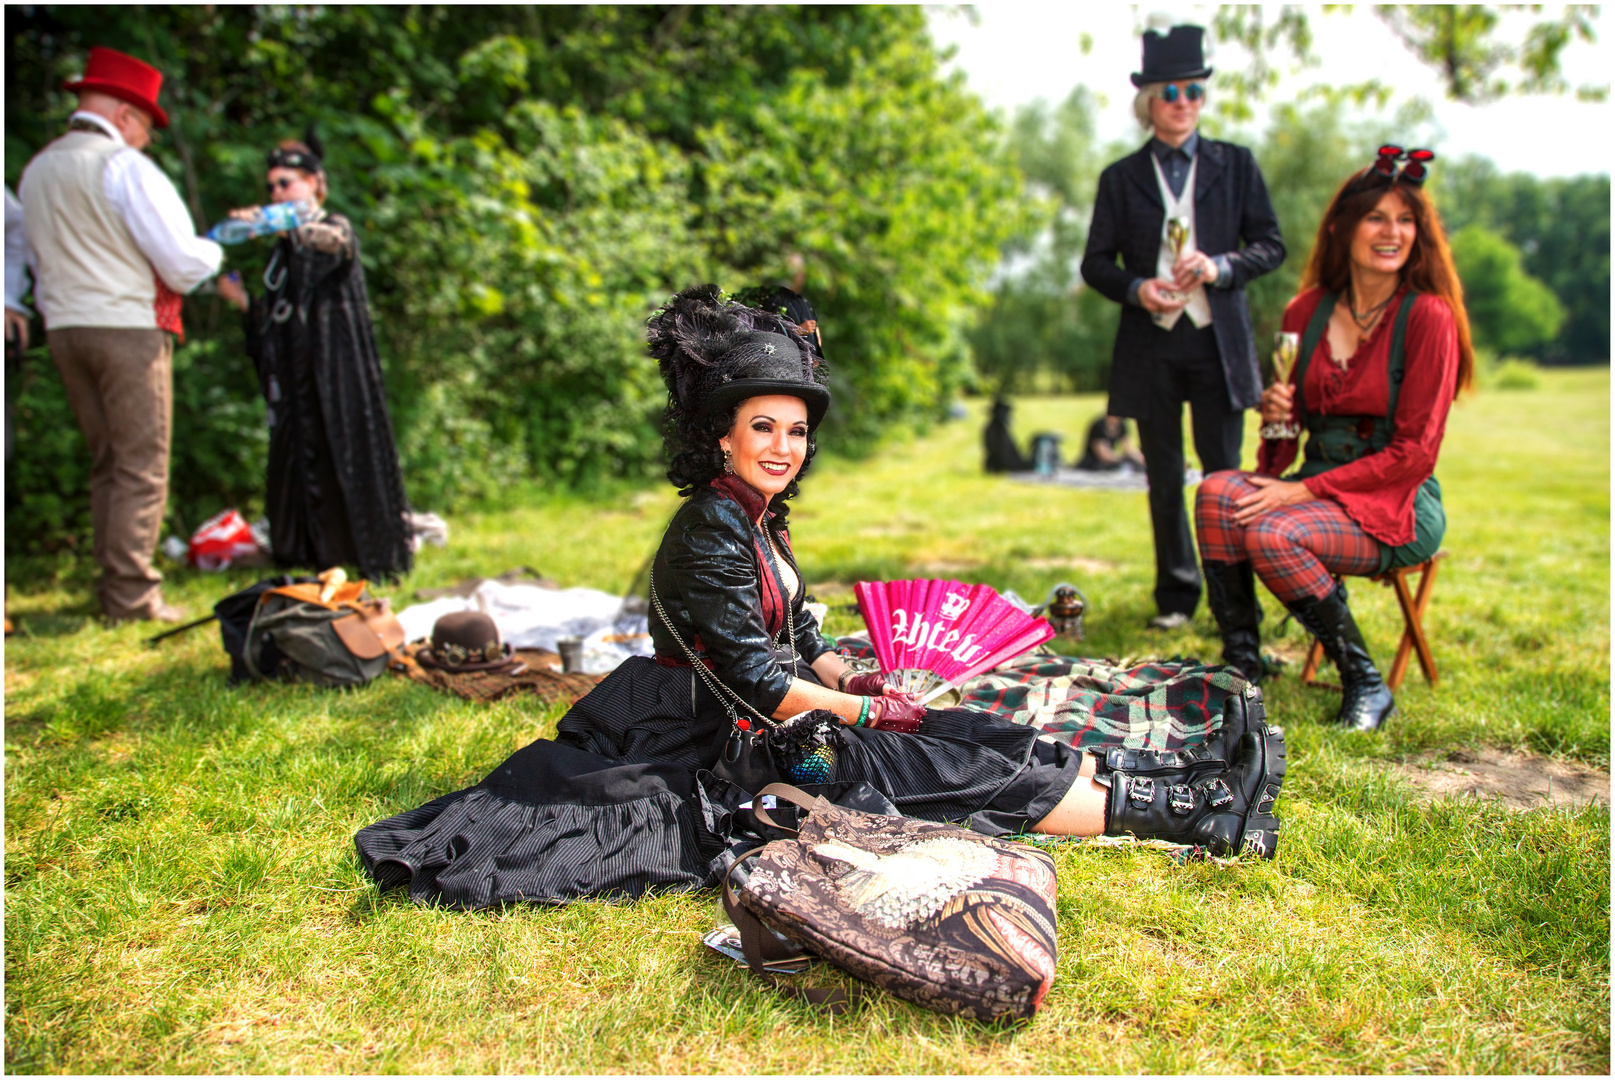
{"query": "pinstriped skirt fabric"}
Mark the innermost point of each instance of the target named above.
(551, 824)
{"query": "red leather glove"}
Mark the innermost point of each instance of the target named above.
(868, 684)
(899, 712)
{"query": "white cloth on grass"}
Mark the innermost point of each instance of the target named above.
(533, 617)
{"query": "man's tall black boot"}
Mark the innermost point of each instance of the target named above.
(1365, 699)
(1199, 797)
(1231, 594)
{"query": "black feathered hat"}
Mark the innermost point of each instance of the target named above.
(1178, 54)
(714, 352)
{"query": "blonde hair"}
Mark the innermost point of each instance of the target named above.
(1141, 100)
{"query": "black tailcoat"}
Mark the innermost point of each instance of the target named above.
(1230, 206)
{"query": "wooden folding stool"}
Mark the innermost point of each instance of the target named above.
(1413, 605)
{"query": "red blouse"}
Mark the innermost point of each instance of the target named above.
(1377, 489)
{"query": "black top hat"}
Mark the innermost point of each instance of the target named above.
(466, 641)
(1180, 54)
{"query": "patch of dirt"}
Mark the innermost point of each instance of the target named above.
(1072, 562)
(1519, 781)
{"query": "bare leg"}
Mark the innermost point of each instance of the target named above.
(1082, 811)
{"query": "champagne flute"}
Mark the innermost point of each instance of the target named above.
(1286, 350)
(1177, 235)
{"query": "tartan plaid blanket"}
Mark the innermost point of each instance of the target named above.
(1149, 704)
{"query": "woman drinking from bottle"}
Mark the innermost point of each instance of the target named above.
(335, 494)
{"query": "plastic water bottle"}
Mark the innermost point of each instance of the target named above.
(274, 218)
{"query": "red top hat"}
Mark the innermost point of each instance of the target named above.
(122, 76)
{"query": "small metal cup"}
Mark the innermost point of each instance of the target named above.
(571, 650)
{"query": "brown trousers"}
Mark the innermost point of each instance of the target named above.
(120, 384)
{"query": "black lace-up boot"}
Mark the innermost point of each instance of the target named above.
(1198, 797)
(1231, 595)
(1365, 699)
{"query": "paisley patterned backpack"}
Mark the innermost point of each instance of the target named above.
(935, 914)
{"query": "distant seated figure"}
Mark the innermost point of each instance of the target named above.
(1002, 453)
(1109, 447)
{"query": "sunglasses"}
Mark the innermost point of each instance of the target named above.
(1193, 91)
(1414, 171)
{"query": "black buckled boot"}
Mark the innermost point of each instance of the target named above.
(1197, 797)
(1365, 699)
(1231, 595)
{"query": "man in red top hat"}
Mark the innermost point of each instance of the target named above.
(113, 250)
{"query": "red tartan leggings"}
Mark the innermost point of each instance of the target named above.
(1295, 550)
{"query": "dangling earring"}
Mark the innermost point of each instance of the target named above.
(728, 462)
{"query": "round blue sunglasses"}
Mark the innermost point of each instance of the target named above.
(1193, 91)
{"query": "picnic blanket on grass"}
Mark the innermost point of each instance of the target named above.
(1149, 704)
(1119, 480)
(1145, 704)
(537, 678)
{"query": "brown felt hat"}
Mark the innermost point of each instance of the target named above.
(466, 641)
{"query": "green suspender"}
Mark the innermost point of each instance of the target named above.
(1335, 440)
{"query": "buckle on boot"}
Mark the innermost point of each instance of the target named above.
(1270, 795)
(1218, 795)
(1180, 799)
(1141, 791)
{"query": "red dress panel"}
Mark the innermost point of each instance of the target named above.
(1377, 489)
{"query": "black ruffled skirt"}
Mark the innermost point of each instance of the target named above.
(621, 803)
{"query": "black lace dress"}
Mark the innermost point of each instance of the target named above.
(623, 801)
(335, 494)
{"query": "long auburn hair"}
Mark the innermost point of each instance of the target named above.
(1429, 267)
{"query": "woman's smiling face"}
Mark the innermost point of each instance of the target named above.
(1384, 238)
(769, 441)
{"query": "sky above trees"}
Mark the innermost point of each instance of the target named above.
(1016, 53)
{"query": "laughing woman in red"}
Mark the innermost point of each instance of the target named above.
(1384, 349)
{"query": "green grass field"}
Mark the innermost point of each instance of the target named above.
(182, 893)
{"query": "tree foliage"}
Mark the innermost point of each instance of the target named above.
(1560, 227)
(1477, 56)
(528, 184)
(1509, 311)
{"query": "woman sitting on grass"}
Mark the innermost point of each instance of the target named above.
(623, 801)
(1384, 349)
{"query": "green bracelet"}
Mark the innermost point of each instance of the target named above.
(863, 714)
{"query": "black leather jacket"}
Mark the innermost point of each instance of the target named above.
(708, 575)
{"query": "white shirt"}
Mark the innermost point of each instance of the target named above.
(18, 256)
(150, 206)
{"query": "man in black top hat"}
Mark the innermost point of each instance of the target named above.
(1177, 212)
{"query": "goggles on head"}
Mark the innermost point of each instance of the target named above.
(1393, 164)
(1413, 170)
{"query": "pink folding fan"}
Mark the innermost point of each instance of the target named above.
(932, 635)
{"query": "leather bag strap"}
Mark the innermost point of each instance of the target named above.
(790, 794)
(834, 1000)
